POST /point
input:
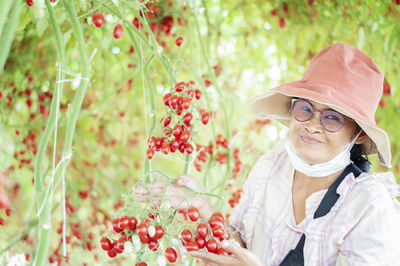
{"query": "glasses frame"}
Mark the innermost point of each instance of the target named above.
(294, 100)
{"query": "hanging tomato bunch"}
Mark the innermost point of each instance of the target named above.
(177, 123)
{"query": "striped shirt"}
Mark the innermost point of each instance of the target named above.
(362, 228)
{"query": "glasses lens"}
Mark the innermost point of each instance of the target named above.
(302, 110)
(331, 120)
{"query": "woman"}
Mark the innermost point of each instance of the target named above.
(310, 200)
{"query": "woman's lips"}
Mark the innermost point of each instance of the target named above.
(309, 140)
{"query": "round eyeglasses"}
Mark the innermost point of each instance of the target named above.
(331, 120)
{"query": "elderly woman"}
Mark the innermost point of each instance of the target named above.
(311, 200)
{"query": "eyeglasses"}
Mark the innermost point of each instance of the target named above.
(331, 120)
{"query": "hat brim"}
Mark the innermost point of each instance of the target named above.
(275, 103)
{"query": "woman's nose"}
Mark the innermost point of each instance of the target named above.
(314, 124)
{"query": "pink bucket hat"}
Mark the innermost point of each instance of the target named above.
(343, 78)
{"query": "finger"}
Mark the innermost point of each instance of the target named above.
(211, 258)
(233, 247)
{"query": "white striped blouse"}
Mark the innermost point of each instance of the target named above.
(362, 228)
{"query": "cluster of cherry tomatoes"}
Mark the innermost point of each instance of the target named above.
(144, 233)
(236, 196)
(205, 235)
(177, 127)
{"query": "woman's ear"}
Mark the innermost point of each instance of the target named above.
(361, 138)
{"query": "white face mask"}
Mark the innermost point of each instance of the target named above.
(324, 169)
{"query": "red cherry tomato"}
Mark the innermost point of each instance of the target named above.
(187, 118)
(213, 222)
(111, 253)
(177, 131)
(185, 136)
(118, 30)
(144, 238)
(191, 246)
(105, 243)
(179, 41)
(141, 264)
(121, 243)
(123, 222)
(167, 121)
(186, 235)
(150, 154)
(159, 232)
(153, 245)
(115, 226)
(29, 2)
(198, 94)
(218, 231)
(98, 20)
(141, 230)
(202, 230)
(132, 223)
(201, 242)
(193, 214)
(218, 215)
(212, 245)
(188, 148)
(170, 254)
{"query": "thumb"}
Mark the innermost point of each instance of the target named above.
(233, 247)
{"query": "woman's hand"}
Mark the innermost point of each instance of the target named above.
(185, 187)
(240, 256)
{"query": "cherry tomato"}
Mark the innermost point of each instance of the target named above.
(121, 243)
(141, 264)
(212, 245)
(153, 245)
(218, 215)
(167, 121)
(144, 238)
(165, 148)
(201, 242)
(193, 213)
(170, 254)
(217, 231)
(98, 20)
(188, 148)
(177, 131)
(118, 30)
(182, 148)
(185, 136)
(186, 103)
(179, 41)
(213, 222)
(198, 94)
(105, 243)
(174, 145)
(150, 154)
(141, 229)
(29, 2)
(205, 118)
(159, 232)
(115, 226)
(202, 230)
(167, 98)
(132, 223)
(187, 118)
(123, 222)
(180, 86)
(191, 246)
(186, 235)
(111, 253)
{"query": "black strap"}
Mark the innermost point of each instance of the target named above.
(295, 256)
